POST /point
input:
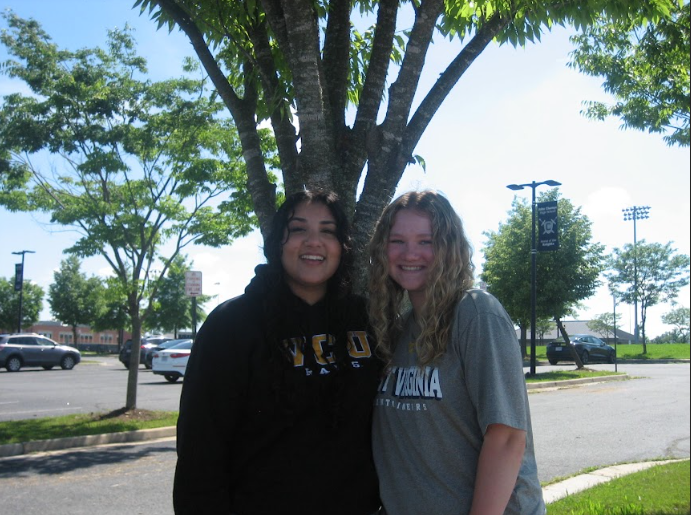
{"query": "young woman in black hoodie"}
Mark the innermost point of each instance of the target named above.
(275, 412)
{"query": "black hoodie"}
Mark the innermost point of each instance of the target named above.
(259, 435)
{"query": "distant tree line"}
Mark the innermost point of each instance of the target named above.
(76, 299)
(649, 274)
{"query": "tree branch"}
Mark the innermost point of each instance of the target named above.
(262, 191)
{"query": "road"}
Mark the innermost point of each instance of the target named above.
(592, 425)
(602, 424)
(95, 385)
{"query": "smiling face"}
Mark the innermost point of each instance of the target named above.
(410, 253)
(311, 251)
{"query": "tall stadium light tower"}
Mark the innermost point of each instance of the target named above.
(635, 213)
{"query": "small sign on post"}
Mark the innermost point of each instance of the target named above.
(193, 284)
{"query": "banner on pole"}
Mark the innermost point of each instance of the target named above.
(18, 276)
(547, 222)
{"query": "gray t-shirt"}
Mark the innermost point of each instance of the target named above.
(429, 424)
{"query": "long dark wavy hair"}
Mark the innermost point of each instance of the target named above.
(282, 309)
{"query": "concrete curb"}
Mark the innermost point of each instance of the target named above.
(576, 484)
(630, 361)
(570, 382)
(58, 444)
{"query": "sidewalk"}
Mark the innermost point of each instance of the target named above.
(551, 493)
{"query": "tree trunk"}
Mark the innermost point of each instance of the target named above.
(644, 313)
(524, 341)
(132, 377)
(565, 335)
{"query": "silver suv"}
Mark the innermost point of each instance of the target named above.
(34, 350)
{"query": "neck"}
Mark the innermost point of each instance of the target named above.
(417, 300)
(310, 297)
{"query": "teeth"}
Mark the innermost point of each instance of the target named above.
(312, 258)
(411, 268)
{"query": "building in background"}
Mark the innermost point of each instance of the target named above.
(108, 341)
(579, 327)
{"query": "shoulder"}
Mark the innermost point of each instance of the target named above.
(233, 320)
(479, 309)
(241, 305)
(357, 302)
(352, 306)
(478, 301)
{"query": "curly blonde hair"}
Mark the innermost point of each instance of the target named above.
(450, 276)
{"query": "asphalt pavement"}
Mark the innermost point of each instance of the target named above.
(552, 492)
(58, 444)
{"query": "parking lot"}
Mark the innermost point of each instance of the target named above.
(575, 428)
(95, 385)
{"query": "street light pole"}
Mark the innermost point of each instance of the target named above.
(635, 213)
(21, 288)
(533, 265)
(614, 314)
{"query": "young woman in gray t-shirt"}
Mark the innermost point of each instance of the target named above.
(451, 431)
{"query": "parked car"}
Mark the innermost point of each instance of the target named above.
(146, 345)
(172, 362)
(166, 344)
(589, 349)
(34, 350)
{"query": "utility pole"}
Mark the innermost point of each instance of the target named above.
(19, 284)
(533, 265)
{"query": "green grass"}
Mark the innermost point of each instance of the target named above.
(562, 375)
(660, 490)
(655, 351)
(635, 351)
(17, 431)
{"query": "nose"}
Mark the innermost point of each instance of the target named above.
(411, 252)
(313, 238)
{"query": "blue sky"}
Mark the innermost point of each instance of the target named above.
(513, 118)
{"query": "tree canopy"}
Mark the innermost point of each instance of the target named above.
(114, 313)
(74, 298)
(646, 68)
(139, 169)
(565, 276)
(32, 304)
(650, 273)
(680, 318)
(605, 324)
(338, 80)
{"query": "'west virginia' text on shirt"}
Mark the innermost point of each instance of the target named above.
(412, 383)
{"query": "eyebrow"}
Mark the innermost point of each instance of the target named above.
(304, 220)
(425, 234)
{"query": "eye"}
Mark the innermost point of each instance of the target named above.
(295, 228)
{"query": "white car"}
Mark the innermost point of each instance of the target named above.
(172, 362)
